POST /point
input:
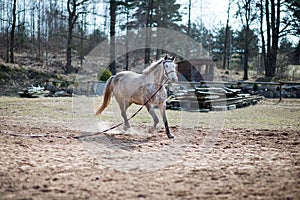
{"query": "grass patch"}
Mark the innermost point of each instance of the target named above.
(266, 114)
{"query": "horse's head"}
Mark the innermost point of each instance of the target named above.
(170, 68)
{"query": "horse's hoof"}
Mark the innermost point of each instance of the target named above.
(171, 136)
(126, 128)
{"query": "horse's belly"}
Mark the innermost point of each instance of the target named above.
(144, 94)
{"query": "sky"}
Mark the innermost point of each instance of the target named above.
(213, 11)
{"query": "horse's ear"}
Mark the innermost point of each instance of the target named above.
(166, 57)
(173, 58)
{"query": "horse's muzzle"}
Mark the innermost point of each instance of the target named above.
(173, 78)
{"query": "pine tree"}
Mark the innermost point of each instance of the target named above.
(155, 13)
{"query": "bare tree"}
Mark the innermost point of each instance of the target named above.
(148, 31)
(112, 13)
(32, 24)
(263, 42)
(225, 53)
(39, 24)
(277, 25)
(247, 13)
(12, 32)
(75, 9)
(273, 25)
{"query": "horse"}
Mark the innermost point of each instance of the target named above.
(142, 89)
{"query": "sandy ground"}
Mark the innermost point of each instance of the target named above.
(239, 163)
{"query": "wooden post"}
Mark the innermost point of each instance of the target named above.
(87, 88)
(280, 92)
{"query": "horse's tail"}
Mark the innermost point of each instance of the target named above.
(107, 96)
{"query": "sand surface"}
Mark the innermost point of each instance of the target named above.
(252, 163)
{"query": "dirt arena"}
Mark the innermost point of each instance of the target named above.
(256, 155)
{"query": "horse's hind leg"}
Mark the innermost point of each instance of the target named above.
(155, 118)
(123, 107)
(162, 108)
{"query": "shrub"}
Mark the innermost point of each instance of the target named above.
(104, 75)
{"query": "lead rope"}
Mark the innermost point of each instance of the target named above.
(132, 116)
(87, 135)
(98, 133)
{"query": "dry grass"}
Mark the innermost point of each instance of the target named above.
(267, 114)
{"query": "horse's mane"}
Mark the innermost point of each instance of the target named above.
(151, 67)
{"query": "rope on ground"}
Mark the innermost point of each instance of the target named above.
(10, 133)
(132, 116)
(89, 134)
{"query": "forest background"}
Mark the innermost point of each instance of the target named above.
(260, 35)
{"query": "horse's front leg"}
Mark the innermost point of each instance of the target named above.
(155, 118)
(162, 108)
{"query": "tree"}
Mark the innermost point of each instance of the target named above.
(95, 38)
(252, 45)
(260, 5)
(112, 14)
(155, 13)
(247, 14)
(202, 35)
(113, 6)
(217, 47)
(39, 28)
(285, 46)
(166, 15)
(277, 26)
(56, 20)
(273, 24)
(149, 22)
(292, 20)
(74, 8)
(12, 32)
(225, 53)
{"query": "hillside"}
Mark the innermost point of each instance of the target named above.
(30, 71)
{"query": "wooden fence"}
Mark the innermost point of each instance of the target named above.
(218, 95)
(88, 87)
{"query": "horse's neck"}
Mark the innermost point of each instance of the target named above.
(157, 75)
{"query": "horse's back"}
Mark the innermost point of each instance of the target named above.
(126, 83)
(127, 77)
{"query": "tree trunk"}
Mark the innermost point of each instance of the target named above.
(32, 19)
(112, 13)
(273, 23)
(275, 35)
(225, 47)
(247, 39)
(189, 19)
(148, 32)
(246, 54)
(39, 29)
(69, 43)
(127, 35)
(225, 55)
(83, 22)
(72, 18)
(7, 44)
(263, 43)
(12, 33)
